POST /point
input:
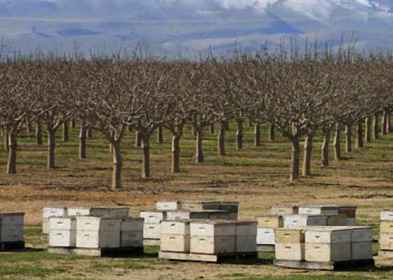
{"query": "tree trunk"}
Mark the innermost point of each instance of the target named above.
(51, 149)
(325, 149)
(82, 142)
(271, 134)
(348, 138)
(11, 164)
(38, 133)
(160, 135)
(28, 127)
(239, 135)
(221, 140)
(138, 140)
(73, 123)
(388, 123)
(199, 157)
(175, 154)
(308, 146)
(336, 143)
(257, 131)
(146, 156)
(89, 133)
(212, 129)
(375, 129)
(295, 159)
(117, 167)
(6, 140)
(66, 136)
(385, 123)
(368, 130)
(359, 135)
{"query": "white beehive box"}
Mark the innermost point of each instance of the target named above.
(279, 210)
(97, 233)
(386, 241)
(212, 228)
(12, 227)
(168, 205)
(299, 221)
(153, 217)
(62, 232)
(387, 215)
(78, 211)
(175, 227)
(325, 210)
(328, 252)
(151, 231)
(290, 251)
(270, 221)
(386, 227)
(328, 235)
(51, 212)
(265, 236)
(175, 243)
(213, 245)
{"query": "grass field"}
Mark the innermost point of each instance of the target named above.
(256, 176)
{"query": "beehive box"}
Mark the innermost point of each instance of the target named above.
(151, 231)
(290, 251)
(338, 220)
(214, 245)
(299, 221)
(62, 232)
(51, 212)
(232, 207)
(12, 227)
(279, 210)
(97, 233)
(212, 228)
(168, 205)
(386, 241)
(348, 211)
(99, 212)
(131, 233)
(386, 227)
(265, 236)
(289, 236)
(153, 217)
(387, 215)
(328, 244)
(362, 251)
(270, 221)
(201, 215)
(325, 210)
(175, 236)
(246, 236)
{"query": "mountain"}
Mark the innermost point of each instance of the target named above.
(188, 27)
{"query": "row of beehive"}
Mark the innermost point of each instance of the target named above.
(174, 210)
(93, 228)
(208, 237)
(324, 244)
(302, 216)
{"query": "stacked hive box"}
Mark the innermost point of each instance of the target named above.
(131, 233)
(174, 210)
(175, 236)
(246, 234)
(386, 233)
(328, 244)
(62, 232)
(97, 233)
(48, 213)
(266, 227)
(323, 247)
(12, 230)
(290, 244)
